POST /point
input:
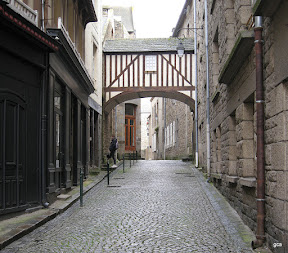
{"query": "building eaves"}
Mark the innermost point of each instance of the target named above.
(265, 7)
(88, 11)
(69, 52)
(146, 45)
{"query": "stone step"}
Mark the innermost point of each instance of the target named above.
(63, 197)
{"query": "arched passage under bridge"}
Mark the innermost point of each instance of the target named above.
(142, 93)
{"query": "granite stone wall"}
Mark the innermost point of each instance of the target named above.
(233, 109)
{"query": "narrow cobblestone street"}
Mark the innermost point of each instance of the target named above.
(155, 206)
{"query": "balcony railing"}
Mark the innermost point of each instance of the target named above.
(24, 10)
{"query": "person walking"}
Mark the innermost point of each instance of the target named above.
(112, 148)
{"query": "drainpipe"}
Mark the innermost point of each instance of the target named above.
(164, 151)
(43, 134)
(260, 233)
(196, 85)
(43, 15)
(207, 93)
(116, 132)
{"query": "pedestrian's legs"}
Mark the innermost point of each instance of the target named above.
(113, 156)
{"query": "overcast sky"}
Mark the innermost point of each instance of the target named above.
(153, 18)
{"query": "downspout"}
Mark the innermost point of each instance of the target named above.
(43, 15)
(207, 93)
(260, 233)
(164, 151)
(43, 134)
(115, 132)
(196, 85)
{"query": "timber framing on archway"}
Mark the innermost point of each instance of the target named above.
(137, 68)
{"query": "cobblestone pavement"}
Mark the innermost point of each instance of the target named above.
(155, 206)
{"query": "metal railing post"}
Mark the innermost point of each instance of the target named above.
(123, 163)
(130, 159)
(81, 186)
(136, 156)
(108, 173)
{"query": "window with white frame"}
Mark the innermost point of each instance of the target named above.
(177, 133)
(154, 143)
(165, 138)
(150, 63)
(171, 134)
(168, 136)
(174, 133)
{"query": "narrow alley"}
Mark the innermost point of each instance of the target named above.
(155, 206)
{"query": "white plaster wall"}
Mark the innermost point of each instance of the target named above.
(93, 33)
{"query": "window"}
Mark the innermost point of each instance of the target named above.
(154, 143)
(177, 133)
(170, 135)
(150, 63)
(174, 133)
(215, 65)
(94, 62)
(129, 109)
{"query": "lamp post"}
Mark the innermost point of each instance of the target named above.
(180, 51)
(207, 93)
(196, 85)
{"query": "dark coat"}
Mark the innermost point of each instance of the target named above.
(113, 145)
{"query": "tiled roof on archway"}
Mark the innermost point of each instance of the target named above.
(147, 45)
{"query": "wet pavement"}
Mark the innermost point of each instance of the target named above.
(155, 206)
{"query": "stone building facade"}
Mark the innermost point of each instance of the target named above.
(171, 129)
(118, 23)
(233, 114)
(179, 130)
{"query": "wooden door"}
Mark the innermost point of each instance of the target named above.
(130, 127)
(12, 153)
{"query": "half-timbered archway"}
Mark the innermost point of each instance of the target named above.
(137, 68)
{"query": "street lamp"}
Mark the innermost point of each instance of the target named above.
(180, 49)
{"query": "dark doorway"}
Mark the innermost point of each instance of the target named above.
(59, 136)
(12, 153)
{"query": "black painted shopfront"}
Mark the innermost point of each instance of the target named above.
(47, 125)
(24, 52)
(68, 117)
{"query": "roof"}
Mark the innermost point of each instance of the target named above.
(146, 45)
(181, 19)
